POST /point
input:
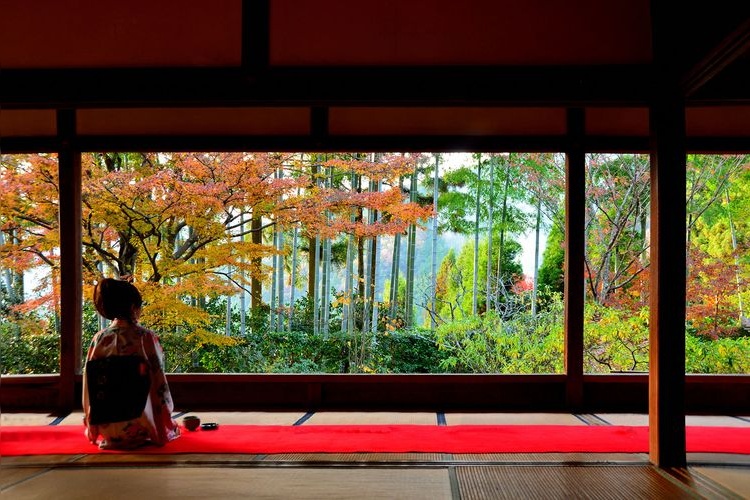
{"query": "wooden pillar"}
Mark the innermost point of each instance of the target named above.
(575, 187)
(667, 295)
(667, 286)
(71, 286)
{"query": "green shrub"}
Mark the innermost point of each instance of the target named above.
(725, 355)
(22, 353)
(523, 344)
(615, 340)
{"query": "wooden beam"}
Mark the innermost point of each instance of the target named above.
(326, 86)
(69, 166)
(575, 188)
(442, 143)
(612, 393)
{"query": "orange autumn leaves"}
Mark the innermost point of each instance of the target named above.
(332, 202)
(179, 221)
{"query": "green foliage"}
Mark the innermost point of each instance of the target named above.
(29, 353)
(458, 192)
(726, 355)
(614, 340)
(456, 277)
(551, 272)
(303, 352)
(25, 348)
(403, 351)
(491, 345)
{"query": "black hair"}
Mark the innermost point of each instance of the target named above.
(116, 298)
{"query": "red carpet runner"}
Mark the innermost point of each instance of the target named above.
(265, 439)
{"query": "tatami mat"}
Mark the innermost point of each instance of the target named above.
(641, 419)
(736, 479)
(246, 418)
(356, 457)
(13, 475)
(36, 460)
(512, 419)
(176, 459)
(624, 418)
(553, 458)
(718, 458)
(552, 483)
(396, 418)
(230, 483)
(371, 418)
(716, 420)
(26, 418)
(75, 418)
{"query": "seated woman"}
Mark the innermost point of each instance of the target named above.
(126, 399)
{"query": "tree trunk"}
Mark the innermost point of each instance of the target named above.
(347, 317)
(410, 258)
(315, 281)
(326, 292)
(503, 217)
(736, 257)
(274, 282)
(395, 267)
(326, 282)
(256, 287)
(393, 297)
(433, 303)
(491, 201)
(312, 258)
(228, 324)
(373, 271)
(536, 252)
(243, 304)
(13, 280)
(475, 290)
(281, 262)
(313, 262)
(348, 271)
(293, 277)
(369, 264)
(359, 247)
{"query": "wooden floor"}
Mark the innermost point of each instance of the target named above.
(375, 475)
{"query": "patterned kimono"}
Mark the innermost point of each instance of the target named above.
(155, 425)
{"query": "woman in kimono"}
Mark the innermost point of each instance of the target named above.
(120, 302)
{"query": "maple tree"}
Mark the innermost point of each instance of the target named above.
(28, 223)
(177, 222)
(712, 296)
(617, 211)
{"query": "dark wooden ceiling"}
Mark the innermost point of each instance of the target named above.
(315, 58)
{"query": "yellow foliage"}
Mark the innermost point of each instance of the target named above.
(204, 337)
